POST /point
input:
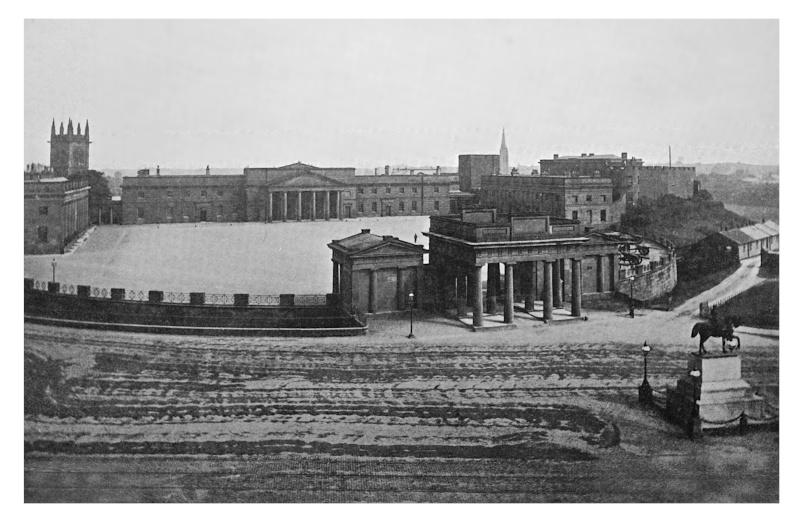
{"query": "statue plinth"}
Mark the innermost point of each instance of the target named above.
(720, 392)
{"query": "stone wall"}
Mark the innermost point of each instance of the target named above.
(651, 284)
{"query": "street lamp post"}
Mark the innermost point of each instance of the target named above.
(54, 270)
(694, 426)
(411, 314)
(631, 297)
(645, 390)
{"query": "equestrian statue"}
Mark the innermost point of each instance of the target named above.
(718, 327)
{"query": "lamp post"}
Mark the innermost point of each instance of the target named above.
(411, 314)
(645, 390)
(694, 426)
(630, 312)
(54, 270)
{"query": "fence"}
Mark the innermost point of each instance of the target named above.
(166, 297)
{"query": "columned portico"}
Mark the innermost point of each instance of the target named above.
(558, 301)
(492, 287)
(530, 291)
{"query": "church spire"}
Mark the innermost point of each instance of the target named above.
(69, 128)
(79, 129)
(503, 154)
(61, 129)
(53, 128)
(86, 131)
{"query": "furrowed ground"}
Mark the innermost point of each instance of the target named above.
(147, 418)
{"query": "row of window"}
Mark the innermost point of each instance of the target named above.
(401, 206)
(589, 198)
(400, 190)
(171, 212)
(590, 216)
(186, 193)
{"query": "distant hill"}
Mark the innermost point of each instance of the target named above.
(731, 168)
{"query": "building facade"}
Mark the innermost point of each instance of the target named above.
(623, 171)
(296, 192)
(56, 212)
(69, 151)
(655, 181)
(471, 168)
(579, 198)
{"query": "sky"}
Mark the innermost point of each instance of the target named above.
(187, 94)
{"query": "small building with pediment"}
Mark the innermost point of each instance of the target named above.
(376, 274)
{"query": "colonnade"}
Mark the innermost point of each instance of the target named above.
(332, 207)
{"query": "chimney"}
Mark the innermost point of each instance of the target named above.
(438, 169)
(388, 238)
(365, 230)
(143, 173)
(208, 170)
(591, 154)
(158, 170)
(376, 171)
(583, 154)
(385, 170)
(624, 156)
(555, 156)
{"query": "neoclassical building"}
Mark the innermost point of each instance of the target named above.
(296, 192)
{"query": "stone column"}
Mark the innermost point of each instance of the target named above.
(339, 205)
(269, 210)
(602, 274)
(530, 293)
(373, 291)
(557, 298)
(613, 262)
(285, 206)
(509, 306)
(548, 290)
(300, 205)
(492, 286)
(577, 286)
(327, 205)
(477, 297)
(313, 205)
(336, 273)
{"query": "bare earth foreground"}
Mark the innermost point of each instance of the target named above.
(451, 416)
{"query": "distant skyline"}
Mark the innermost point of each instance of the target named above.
(187, 94)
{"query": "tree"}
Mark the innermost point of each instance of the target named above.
(99, 192)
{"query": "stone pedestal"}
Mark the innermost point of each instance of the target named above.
(720, 392)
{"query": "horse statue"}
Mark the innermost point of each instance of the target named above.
(717, 328)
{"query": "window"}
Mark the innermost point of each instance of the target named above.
(219, 210)
(374, 206)
(402, 206)
(602, 215)
(436, 189)
(169, 194)
(42, 230)
(374, 190)
(402, 190)
(361, 207)
(590, 217)
(436, 205)
(219, 193)
(575, 199)
(413, 206)
(361, 191)
(203, 193)
(575, 214)
(42, 210)
(388, 190)
(588, 198)
(140, 213)
(413, 190)
(171, 211)
(140, 195)
(602, 198)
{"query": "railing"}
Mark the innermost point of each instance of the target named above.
(133, 295)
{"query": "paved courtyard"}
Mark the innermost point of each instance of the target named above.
(255, 258)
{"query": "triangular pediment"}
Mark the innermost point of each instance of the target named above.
(307, 179)
(393, 247)
(297, 165)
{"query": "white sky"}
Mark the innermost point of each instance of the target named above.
(368, 93)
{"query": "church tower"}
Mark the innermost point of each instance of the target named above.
(503, 155)
(69, 152)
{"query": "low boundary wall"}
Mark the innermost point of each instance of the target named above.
(198, 314)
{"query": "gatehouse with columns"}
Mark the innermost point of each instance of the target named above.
(544, 258)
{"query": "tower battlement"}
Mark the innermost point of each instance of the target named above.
(69, 150)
